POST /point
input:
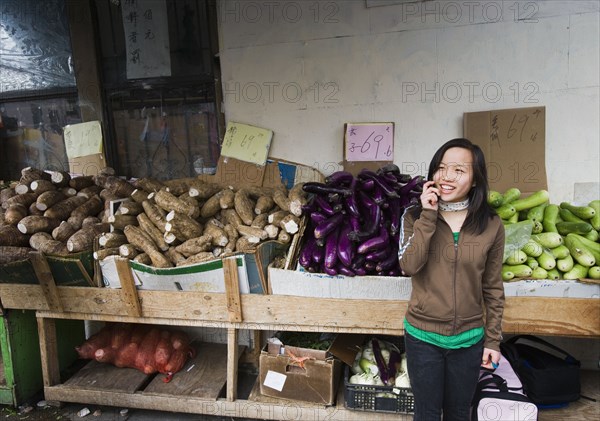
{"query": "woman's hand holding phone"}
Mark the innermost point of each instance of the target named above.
(430, 196)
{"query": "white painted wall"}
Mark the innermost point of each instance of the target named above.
(304, 68)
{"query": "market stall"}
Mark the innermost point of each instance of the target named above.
(267, 285)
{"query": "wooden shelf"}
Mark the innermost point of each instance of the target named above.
(576, 317)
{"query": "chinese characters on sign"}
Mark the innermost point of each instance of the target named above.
(369, 142)
(247, 143)
(146, 38)
(83, 139)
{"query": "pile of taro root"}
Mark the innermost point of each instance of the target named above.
(158, 223)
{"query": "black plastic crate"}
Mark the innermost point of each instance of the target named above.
(377, 398)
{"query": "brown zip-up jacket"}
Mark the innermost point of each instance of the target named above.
(453, 286)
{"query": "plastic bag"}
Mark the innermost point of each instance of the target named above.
(516, 236)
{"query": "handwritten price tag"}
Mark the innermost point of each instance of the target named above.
(369, 142)
(83, 139)
(247, 143)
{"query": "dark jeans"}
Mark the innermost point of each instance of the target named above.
(442, 380)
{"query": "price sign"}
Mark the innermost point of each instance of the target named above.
(83, 139)
(369, 142)
(247, 143)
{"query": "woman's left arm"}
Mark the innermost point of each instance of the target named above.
(493, 291)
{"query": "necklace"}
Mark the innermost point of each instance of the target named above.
(453, 206)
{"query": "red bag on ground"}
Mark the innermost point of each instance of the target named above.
(146, 348)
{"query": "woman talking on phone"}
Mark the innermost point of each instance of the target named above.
(452, 246)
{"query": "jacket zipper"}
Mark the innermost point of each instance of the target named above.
(454, 280)
(453, 274)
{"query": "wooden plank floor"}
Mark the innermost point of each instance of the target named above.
(583, 409)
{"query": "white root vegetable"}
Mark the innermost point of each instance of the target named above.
(290, 223)
(298, 198)
(84, 238)
(112, 239)
(37, 223)
(217, 233)
(195, 245)
(168, 202)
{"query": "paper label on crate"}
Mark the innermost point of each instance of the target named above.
(275, 380)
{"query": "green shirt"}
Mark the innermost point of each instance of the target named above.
(462, 340)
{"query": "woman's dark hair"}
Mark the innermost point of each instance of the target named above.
(479, 210)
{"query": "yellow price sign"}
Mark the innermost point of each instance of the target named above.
(247, 143)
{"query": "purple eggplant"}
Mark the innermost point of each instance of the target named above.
(393, 362)
(372, 220)
(316, 218)
(358, 262)
(389, 262)
(326, 207)
(404, 178)
(378, 195)
(366, 185)
(352, 206)
(328, 225)
(375, 243)
(412, 184)
(350, 202)
(331, 244)
(305, 257)
(345, 247)
(309, 207)
(346, 271)
(339, 178)
(388, 188)
(323, 189)
(389, 168)
(360, 271)
(318, 253)
(370, 266)
(377, 255)
(383, 370)
(394, 214)
(330, 271)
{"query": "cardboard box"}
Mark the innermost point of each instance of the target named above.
(305, 374)
(206, 277)
(514, 144)
(550, 288)
(75, 270)
(306, 284)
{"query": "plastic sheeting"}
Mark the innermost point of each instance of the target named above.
(35, 46)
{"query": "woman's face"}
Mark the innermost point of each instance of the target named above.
(454, 177)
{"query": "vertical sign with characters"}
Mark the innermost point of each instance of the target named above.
(146, 38)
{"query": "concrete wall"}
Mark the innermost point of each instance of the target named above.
(304, 68)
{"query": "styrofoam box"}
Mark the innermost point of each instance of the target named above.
(549, 288)
(306, 284)
(205, 277)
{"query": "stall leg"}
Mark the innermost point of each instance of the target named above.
(232, 363)
(48, 351)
